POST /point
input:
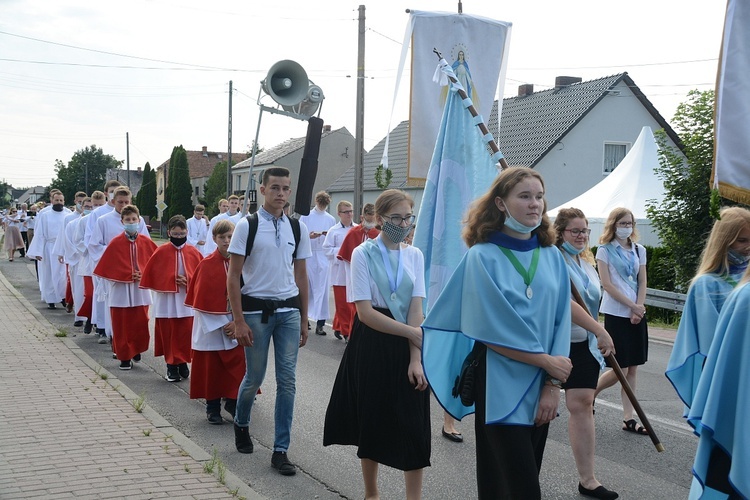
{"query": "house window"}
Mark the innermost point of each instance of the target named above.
(197, 190)
(239, 182)
(613, 155)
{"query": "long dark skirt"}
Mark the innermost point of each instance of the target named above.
(509, 457)
(631, 341)
(374, 406)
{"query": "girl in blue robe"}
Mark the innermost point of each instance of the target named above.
(723, 262)
(720, 405)
(510, 292)
(588, 346)
(621, 263)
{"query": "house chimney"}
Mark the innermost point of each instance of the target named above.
(326, 128)
(525, 89)
(139, 169)
(564, 81)
(205, 151)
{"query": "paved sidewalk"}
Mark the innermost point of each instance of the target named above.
(70, 429)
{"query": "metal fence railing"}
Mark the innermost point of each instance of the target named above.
(666, 300)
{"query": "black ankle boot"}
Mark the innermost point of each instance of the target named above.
(242, 439)
(230, 406)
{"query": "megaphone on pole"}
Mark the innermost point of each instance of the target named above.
(298, 97)
(286, 83)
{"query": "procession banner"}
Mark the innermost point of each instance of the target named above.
(731, 169)
(476, 48)
(461, 170)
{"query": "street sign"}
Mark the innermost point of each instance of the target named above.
(161, 206)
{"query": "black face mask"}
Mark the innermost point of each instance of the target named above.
(178, 242)
(57, 207)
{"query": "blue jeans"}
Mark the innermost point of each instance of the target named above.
(284, 328)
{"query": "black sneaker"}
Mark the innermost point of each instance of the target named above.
(280, 462)
(126, 365)
(87, 327)
(102, 338)
(337, 334)
(173, 375)
(214, 418)
(51, 306)
(78, 323)
(319, 331)
(183, 370)
(242, 439)
(137, 358)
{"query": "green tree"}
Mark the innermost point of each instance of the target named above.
(252, 146)
(5, 190)
(216, 188)
(146, 198)
(169, 179)
(90, 161)
(179, 188)
(683, 219)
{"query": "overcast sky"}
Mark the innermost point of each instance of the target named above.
(79, 72)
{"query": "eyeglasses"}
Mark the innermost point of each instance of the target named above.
(346, 212)
(397, 220)
(625, 224)
(576, 232)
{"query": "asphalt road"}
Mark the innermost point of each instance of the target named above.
(625, 462)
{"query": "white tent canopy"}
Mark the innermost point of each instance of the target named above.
(630, 185)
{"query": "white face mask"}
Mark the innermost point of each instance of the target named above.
(111, 195)
(624, 233)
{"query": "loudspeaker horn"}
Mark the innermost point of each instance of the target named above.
(310, 104)
(286, 83)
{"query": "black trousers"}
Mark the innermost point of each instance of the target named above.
(25, 238)
(509, 457)
(717, 475)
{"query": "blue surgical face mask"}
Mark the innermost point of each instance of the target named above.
(517, 226)
(737, 259)
(568, 247)
(131, 229)
(87, 211)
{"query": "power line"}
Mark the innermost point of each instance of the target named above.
(123, 66)
(194, 66)
(617, 65)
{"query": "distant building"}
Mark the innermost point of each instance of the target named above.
(31, 195)
(133, 179)
(335, 157)
(201, 165)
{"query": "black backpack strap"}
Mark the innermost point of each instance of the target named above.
(252, 230)
(297, 235)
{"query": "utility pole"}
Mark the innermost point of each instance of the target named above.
(229, 146)
(86, 174)
(127, 155)
(359, 150)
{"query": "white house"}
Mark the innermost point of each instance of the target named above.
(573, 134)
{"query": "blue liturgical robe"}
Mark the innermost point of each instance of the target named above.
(719, 410)
(485, 300)
(705, 299)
